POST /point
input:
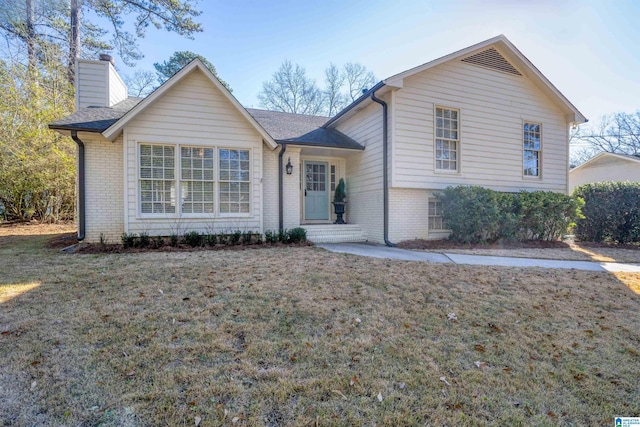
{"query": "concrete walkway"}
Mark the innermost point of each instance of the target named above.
(379, 251)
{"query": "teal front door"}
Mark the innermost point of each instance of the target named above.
(316, 191)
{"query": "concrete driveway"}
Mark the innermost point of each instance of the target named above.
(379, 251)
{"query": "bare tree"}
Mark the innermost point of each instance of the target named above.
(358, 79)
(290, 90)
(334, 98)
(615, 133)
(141, 84)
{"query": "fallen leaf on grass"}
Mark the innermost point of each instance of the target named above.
(353, 381)
(444, 380)
(131, 373)
(308, 344)
(479, 348)
(480, 364)
(452, 316)
(161, 293)
(33, 385)
(236, 419)
(197, 420)
(379, 397)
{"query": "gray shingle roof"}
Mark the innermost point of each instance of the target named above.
(302, 129)
(285, 128)
(95, 119)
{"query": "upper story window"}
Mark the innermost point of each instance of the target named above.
(447, 139)
(532, 148)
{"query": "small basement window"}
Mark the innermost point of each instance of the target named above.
(435, 215)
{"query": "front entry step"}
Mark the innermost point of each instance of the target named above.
(335, 233)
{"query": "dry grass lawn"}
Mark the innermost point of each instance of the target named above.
(300, 336)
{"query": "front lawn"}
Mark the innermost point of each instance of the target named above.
(301, 336)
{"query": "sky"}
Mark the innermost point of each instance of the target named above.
(590, 50)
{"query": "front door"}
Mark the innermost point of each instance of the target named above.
(316, 191)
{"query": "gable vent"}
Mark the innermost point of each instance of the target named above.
(491, 58)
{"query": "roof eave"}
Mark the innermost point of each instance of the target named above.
(353, 105)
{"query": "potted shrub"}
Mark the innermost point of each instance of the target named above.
(339, 202)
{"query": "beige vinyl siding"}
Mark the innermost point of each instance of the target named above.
(193, 113)
(104, 205)
(91, 84)
(117, 88)
(364, 172)
(608, 168)
(493, 107)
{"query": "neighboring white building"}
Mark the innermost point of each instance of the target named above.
(190, 157)
(605, 167)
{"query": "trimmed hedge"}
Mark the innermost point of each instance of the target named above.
(477, 214)
(611, 212)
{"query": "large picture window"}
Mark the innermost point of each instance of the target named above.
(447, 139)
(532, 149)
(192, 176)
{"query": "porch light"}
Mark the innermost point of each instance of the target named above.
(289, 167)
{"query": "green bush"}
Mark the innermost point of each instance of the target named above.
(611, 212)
(477, 214)
(193, 239)
(158, 242)
(297, 235)
(173, 240)
(128, 240)
(143, 240)
(283, 236)
(271, 236)
(211, 239)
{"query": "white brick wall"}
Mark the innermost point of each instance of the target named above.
(291, 190)
(104, 204)
(270, 188)
(408, 215)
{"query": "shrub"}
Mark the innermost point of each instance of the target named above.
(103, 241)
(235, 237)
(211, 239)
(128, 240)
(283, 236)
(193, 239)
(611, 212)
(340, 195)
(259, 239)
(173, 240)
(297, 235)
(143, 240)
(476, 214)
(247, 237)
(271, 236)
(471, 213)
(545, 215)
(158, 242)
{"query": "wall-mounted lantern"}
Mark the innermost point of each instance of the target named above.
(289, 167)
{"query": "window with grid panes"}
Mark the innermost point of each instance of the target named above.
(234, 181)
(532, 148)
(435, 215)
(157, 179)
(447, 138)
(197, 182)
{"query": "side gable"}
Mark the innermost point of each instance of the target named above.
(498, 53)
(194, 66)
(605, 159)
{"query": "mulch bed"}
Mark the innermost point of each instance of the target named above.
(96, 248)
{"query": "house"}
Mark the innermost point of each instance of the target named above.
(190, 157)
(605, 167)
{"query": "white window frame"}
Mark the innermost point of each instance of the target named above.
(449, 140)
(218, 181)
(430, 217)
(524, 150)
(178, 183)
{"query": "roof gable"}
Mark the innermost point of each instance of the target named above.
(195, 65)
(498, 53)
(598, 158)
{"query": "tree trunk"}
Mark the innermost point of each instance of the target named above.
(74, 42)
(31, 36)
